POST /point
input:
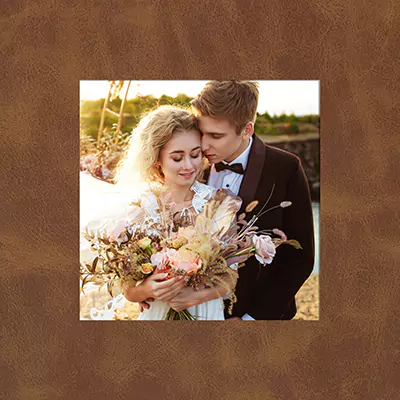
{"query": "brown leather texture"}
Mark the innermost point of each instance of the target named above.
(48, 47)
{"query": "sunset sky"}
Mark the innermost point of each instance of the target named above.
(276, 97)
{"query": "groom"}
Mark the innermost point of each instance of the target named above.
(242, 163)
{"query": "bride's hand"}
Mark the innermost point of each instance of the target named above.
(185, 299)
(144, 305)
(189, 297)
(163, 290)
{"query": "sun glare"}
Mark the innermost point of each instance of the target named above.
(276, 97)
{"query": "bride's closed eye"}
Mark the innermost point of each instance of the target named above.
(192, 156)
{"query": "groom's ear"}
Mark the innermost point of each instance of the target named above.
(248, 130)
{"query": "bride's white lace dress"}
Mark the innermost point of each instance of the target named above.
(210, 310)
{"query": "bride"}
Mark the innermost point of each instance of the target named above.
(165, 148)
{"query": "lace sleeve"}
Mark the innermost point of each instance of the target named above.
(202, 193)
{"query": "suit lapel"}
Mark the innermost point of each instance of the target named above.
(253, 172)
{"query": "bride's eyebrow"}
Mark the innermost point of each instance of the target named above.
(181, 151)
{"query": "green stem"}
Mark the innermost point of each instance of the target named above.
(184, 315)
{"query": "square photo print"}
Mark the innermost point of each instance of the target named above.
(199, 200)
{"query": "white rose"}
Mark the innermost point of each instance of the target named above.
(265, 249)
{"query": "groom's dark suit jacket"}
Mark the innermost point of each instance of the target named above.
(267, 292)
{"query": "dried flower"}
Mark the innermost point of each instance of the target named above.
(143, 243)
(251, 206)
(204, 252)
(179, 242)
(118, 228)
(147, 268)
(187, 233)
(280, 233)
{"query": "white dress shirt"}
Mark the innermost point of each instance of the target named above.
(227, 179)
(230, 180)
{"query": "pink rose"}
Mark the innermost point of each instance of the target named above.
(162, 258)
(186, 260)
(265, 249)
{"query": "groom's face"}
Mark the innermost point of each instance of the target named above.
(220, 142)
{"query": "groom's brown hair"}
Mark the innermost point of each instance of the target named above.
(233, 100)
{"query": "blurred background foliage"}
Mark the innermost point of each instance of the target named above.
(107, 123)
(134, 108)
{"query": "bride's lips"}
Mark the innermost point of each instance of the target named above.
(187, 175)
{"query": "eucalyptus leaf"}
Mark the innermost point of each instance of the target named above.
(294, 243)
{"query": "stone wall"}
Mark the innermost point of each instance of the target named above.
(307, 149)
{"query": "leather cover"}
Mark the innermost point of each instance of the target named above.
(352, 48)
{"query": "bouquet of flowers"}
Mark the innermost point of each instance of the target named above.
(202, 250)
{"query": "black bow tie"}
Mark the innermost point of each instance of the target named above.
(234, 167)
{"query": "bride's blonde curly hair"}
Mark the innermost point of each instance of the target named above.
(154, 130)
